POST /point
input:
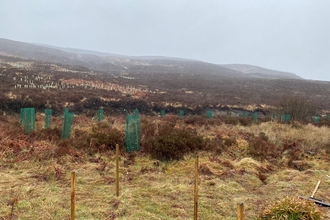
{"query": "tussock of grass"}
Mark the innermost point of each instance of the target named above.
(291, 208)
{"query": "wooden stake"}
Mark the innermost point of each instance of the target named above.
(240, 209)
(196, 189)
(317, 186)
(73, 195)
(117, 170)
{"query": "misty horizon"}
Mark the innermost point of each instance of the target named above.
(9, 47)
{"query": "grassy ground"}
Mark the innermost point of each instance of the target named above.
(35, 181)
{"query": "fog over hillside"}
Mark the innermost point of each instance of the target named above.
(131, 64)
(261, 72)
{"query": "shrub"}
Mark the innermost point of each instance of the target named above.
(202, 120)
(104, 137)
(261, 149)
(236, 120)
(298, 108)
(229, 141)
(75, 98)
(91, 113)
(78, 108)
(292, 152)
(245, 121)
(172, 143)
(323, 122)
(219, 144)
(263, 136)
(93, 103)
(215, 145)
(148, 129)
(195, 120)
(230, 120)
(171, 119)
(291, 208)
(215, 121)
(48, 134)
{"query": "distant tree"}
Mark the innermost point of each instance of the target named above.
(299, 108)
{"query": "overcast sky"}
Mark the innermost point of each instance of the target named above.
(286, 35)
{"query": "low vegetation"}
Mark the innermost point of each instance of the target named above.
(172, 143)
(260, 164)
(291, 208)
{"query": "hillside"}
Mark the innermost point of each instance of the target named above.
(41, 53)
(133, 64)
(47, 77)
(107, 62)
(259, 72)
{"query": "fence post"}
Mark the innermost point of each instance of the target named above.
(117, 170)
(196, 189)
(73, 195)
(240, 209)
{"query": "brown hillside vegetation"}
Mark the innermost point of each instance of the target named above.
(264, 165)
(43, 85)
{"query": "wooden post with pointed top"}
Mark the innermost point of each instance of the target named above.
(73, 195)
(117, 170)
(240, 209)
(196, 189)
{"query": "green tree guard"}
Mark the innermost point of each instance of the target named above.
(28, 119)
(255, 116)
(162, 113)
(287, 117)
(181, 113)
(48, 118)
(209, 114)
(133, 132)
(274, 116)
(67, 123)
(21, 119)
(245, 114)
(100, 115)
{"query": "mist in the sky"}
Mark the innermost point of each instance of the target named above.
(292, 36)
